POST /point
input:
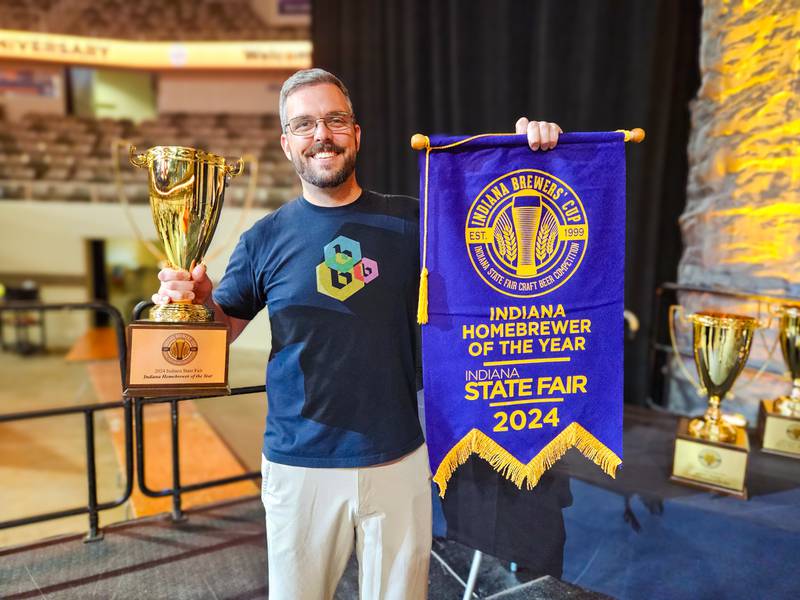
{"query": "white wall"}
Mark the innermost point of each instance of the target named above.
(49, 238)
(243, 93)
(123, 94)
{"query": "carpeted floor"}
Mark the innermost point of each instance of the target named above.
(641, 536)
(219, 552)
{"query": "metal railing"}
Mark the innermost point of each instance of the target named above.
(178, 489)
(133, 409)
(93, 507)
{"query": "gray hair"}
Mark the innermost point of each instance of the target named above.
(305, 78)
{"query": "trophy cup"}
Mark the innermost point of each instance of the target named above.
(779, 419)
(181, 349)
(710, 452)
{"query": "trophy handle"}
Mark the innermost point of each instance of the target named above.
(773, 315)
(248, 201)
(231, 172)
(677, 310)
(135, 159)
(761, 370)
(775, 310)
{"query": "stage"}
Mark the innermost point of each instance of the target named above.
(638, 536)
(641, 536)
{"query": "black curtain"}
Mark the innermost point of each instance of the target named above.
(470, 66)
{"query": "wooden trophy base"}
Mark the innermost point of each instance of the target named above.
(177, 359)
(779, 434)
(715, 466)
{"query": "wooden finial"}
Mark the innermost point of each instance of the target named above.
(633, 135)
(419, 141)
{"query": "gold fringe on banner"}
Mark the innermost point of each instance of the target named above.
(504, 463)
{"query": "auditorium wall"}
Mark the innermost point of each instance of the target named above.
(243, 93)
(47, 241)
(283, 12)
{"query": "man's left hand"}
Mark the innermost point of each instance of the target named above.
(541, 134)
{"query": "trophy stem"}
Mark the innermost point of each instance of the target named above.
(711, 426)
(789, 406)
(713, 412)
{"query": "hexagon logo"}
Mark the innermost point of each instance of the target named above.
(337, 284)
(342, 254)
(344, 271)
(366, 270)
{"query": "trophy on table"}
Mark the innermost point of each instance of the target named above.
(710, 451)
(181, 349)
(779, 419)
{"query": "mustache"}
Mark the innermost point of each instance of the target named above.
(323, 147)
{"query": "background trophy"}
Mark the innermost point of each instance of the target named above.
(779, 419)
(181, 350)
(710, 452)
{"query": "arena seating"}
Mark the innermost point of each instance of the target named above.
(176, 20)
(52, 157)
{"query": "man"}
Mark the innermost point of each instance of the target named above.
(344, 457)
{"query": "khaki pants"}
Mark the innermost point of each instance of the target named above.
(316, 515)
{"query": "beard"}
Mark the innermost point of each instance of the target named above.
(319, 177)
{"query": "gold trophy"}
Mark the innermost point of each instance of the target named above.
(181, 349)
(779, 419)
(710, 451)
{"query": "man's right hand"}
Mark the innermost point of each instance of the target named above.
(181, 285)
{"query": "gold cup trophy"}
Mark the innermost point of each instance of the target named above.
(181, 349)
(711, 452)
(779, 419)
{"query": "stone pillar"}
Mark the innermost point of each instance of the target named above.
(741, 225)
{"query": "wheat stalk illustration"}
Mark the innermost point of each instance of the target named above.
(499, 242)
(551, 240)
(541, 245)
(546, 238)
(511, 242)
(505, 239)
(541, 241)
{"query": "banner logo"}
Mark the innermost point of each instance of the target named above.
(526, 233)
(709, 458)
(179, 349)
(344, 270)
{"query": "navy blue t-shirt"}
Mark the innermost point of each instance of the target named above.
(341, 287)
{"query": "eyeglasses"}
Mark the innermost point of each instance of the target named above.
(306, 125)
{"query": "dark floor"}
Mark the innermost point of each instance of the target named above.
(219, 552)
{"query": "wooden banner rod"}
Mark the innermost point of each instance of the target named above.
(636, 135)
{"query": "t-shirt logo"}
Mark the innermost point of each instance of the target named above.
(344, 270)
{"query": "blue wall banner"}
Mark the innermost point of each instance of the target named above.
(522, 295)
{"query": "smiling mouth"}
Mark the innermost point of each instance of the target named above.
(324, 151)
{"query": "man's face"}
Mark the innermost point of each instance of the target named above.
(324, 158)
